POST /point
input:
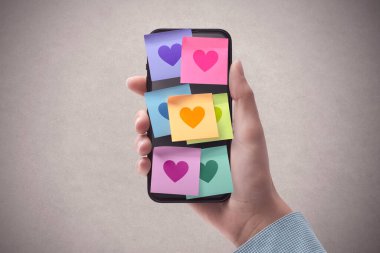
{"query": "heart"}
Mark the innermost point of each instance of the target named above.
(208, 171)
(163, 109)
(175, 171)
(205, 61)
(192, 117)
(218, 113)
(170, 55)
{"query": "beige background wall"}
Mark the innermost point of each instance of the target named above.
(67, 181)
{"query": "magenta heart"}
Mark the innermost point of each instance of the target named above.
(205, 61)
(175, 171)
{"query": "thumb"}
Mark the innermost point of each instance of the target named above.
(246, 121)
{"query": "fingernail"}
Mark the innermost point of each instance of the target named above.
(139, 147)
(137, 125)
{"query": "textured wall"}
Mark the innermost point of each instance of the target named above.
(67, 181)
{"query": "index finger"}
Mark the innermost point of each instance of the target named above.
(137, 84)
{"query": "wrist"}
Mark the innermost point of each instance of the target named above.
(276, 209)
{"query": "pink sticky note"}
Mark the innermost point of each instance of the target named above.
(175, 170)
(204, 60)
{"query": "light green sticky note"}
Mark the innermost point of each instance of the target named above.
(215, 173)
(223, 119)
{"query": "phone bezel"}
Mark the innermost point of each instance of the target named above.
(210, 199)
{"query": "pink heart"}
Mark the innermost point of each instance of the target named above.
(205, 61)
(175, 171)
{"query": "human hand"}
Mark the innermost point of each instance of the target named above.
(254, 203)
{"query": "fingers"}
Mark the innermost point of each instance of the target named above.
(143, 166)
(246, 119)
(142, 122)
(137, 84)
(143, 145)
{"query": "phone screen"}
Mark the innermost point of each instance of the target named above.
(198, 87)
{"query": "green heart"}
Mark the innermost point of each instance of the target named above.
(218, 113)
(208, 171)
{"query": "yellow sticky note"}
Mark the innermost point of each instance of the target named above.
(222, 114)
(192, 117)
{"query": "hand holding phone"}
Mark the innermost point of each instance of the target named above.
(254, 203)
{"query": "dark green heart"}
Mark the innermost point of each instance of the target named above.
(208, 171)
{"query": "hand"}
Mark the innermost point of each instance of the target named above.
(254, 203)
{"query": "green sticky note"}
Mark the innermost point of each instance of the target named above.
(215, 173)
(223, 119)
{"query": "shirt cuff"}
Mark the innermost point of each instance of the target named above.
(291, 233)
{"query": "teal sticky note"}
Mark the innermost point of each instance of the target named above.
(215, 173)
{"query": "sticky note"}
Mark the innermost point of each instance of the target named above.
(204, 60)
(156, 102)
(164, 53)
(175, 170)
(223, 119)
(192, 117)
(215, 173)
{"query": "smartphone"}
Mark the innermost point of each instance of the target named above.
(195, 89)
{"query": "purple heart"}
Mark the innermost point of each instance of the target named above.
(175, 171)
(170, 55)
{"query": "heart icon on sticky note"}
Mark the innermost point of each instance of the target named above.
(192, 117)
(218, 113)
(175, 171)
(163, 110)
(170, 55)
(205, 61)
(208, 171)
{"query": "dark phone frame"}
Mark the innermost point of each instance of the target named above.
(217, 198)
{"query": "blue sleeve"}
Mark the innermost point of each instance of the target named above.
(291, 233)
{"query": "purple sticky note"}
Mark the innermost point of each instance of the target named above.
(164, 53)
(175, 170)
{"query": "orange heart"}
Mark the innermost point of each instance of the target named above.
(192, 117)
